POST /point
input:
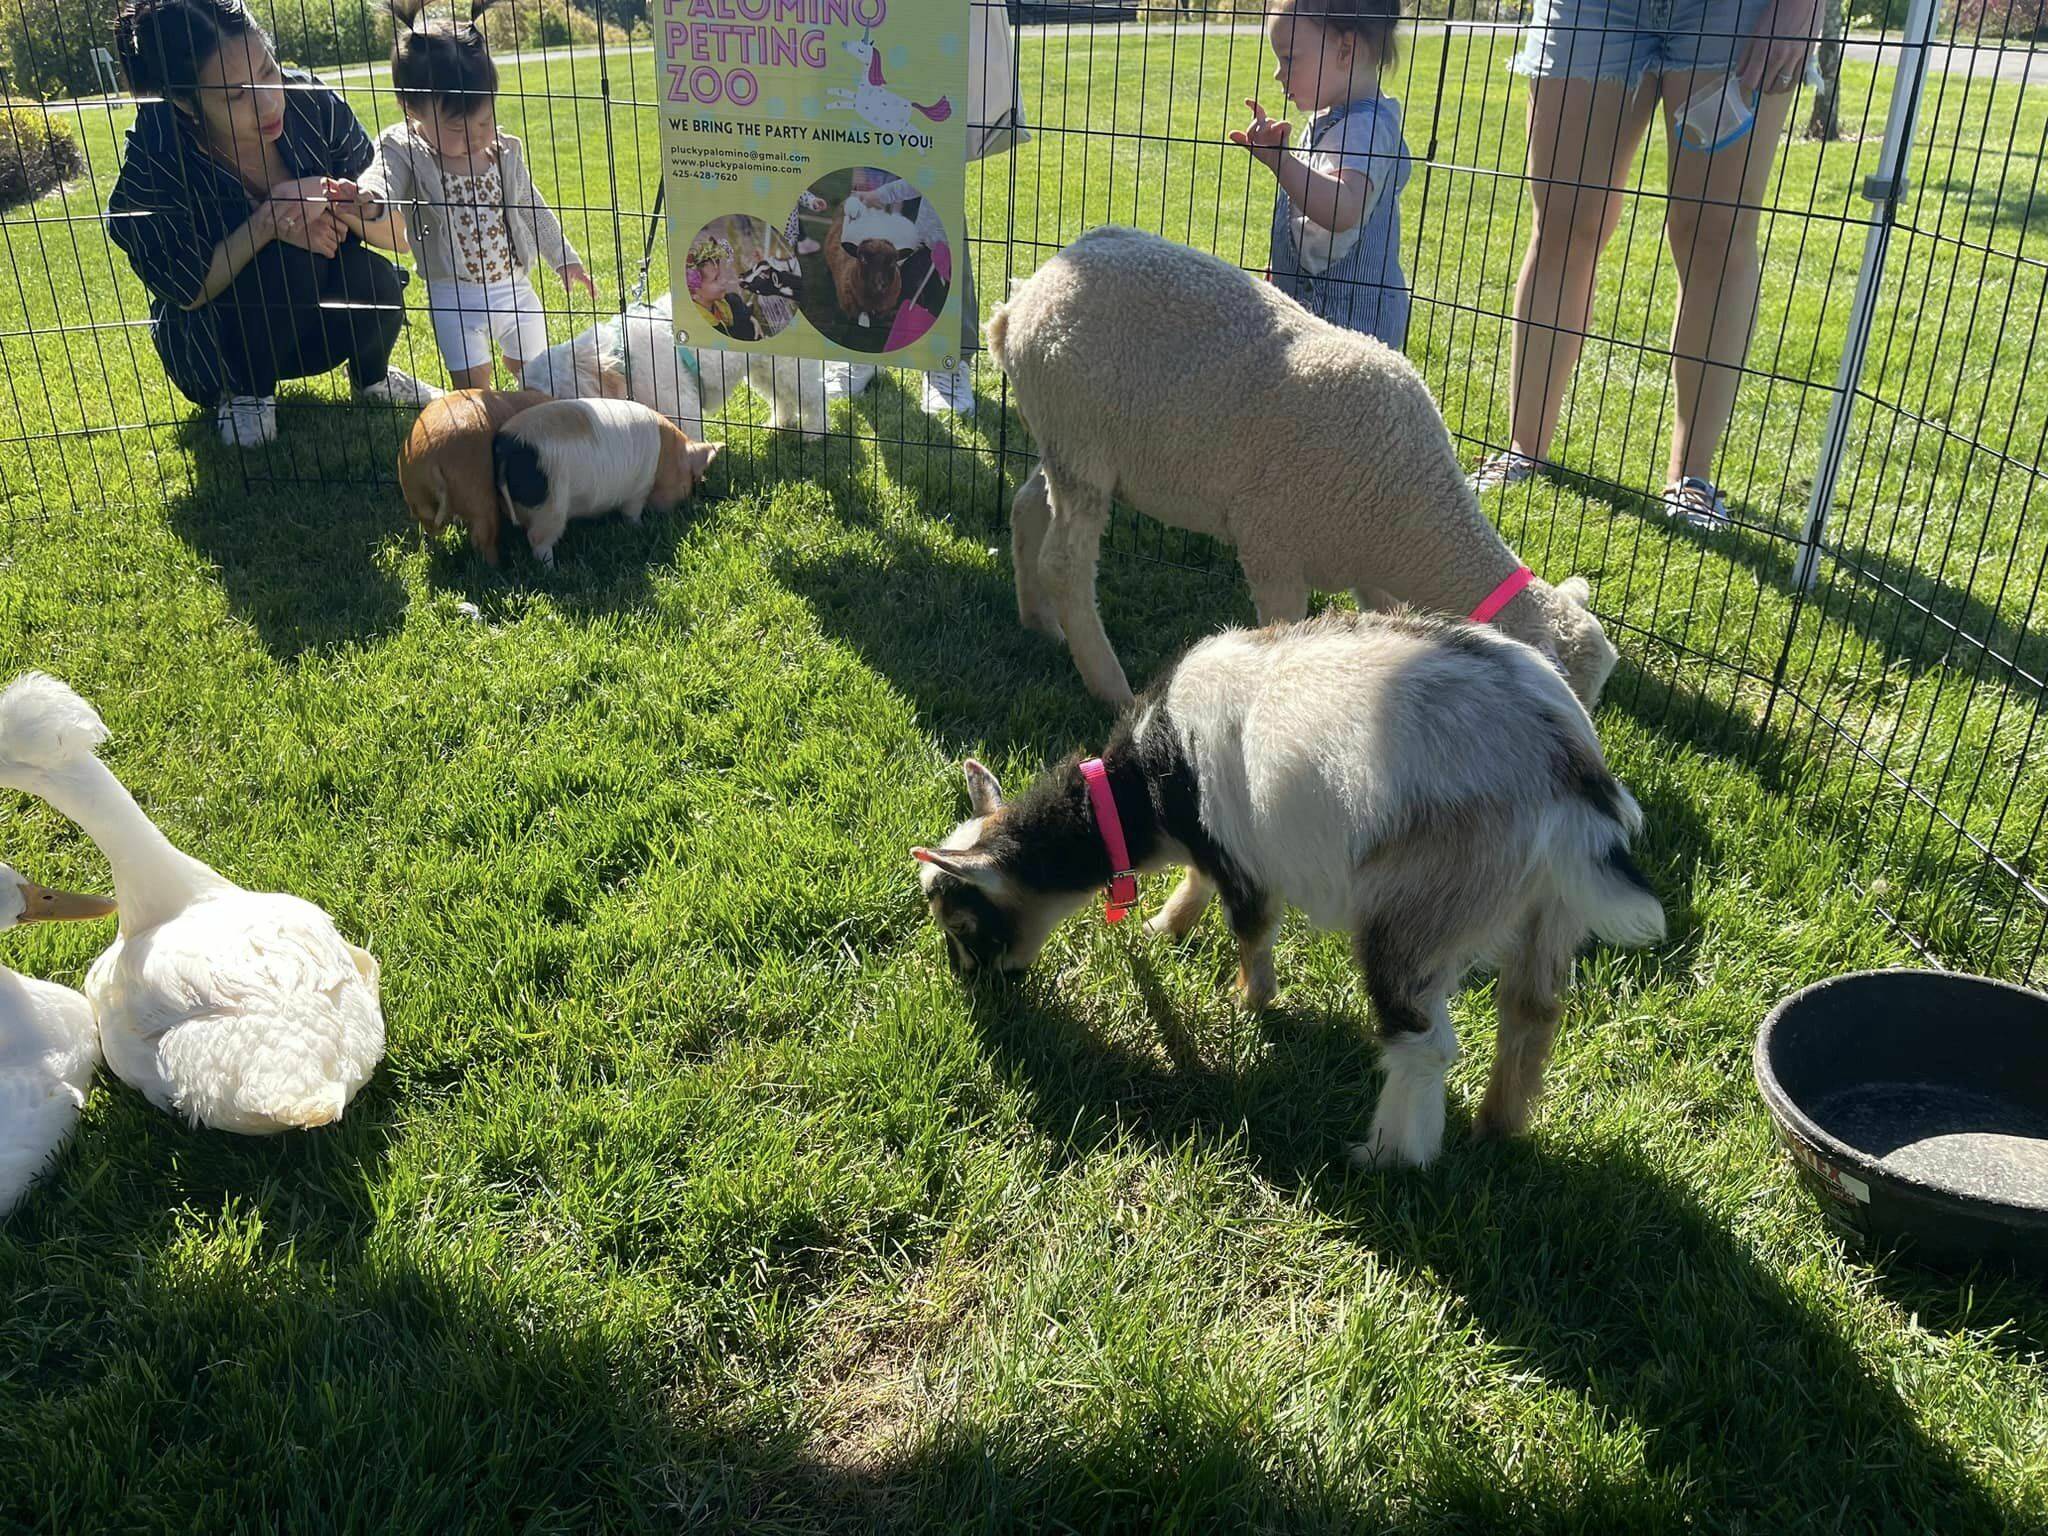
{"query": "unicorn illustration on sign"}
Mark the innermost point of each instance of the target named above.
(883, 108)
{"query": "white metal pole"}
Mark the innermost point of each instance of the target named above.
(1885, 188)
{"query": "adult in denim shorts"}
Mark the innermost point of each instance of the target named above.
(1599, 71)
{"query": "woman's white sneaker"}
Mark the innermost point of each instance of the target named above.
(952, 391)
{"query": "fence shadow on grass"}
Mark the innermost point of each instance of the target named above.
(297, 562)
(1592, 1269)
(942, 627)
(1935, 624)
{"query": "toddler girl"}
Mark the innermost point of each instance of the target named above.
(1337, 217)
(473, 219)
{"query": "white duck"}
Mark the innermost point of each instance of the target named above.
(48, 1046)
(240, 1010)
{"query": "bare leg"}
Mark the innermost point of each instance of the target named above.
(1030, 515)
(1071, 551)
(1176, 920)
(1531, 980)
(478, 377)
(1582, 136)
(1711, 225)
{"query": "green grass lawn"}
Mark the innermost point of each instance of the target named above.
(694, 1194)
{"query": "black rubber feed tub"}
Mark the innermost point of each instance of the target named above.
(1916, 1105)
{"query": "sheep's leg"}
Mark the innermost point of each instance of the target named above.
(1030, 515)
(1176, 920)
(1531, 979)
(1374, 600)
(1072, 549)
(1418, 1043)
(1279, 597)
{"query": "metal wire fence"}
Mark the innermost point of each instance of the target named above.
(1860, 630)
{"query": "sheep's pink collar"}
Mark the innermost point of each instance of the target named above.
(1502, 595)
(1122, 892)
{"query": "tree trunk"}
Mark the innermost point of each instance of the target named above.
(1825, 121)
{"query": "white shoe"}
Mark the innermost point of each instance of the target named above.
(398, 387)
(950, 391)
(845, 380)
(248, 421)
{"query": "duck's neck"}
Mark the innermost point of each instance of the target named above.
(153, 881)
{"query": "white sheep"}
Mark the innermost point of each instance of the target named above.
(1211, 401)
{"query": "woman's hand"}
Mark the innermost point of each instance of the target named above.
(573, 276)
(1773, 58)
(1265, 138)
(307, 222)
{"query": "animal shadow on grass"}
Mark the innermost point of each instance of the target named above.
(1593, 1268)
(428, 1399)
(944, 630)
(293, 528)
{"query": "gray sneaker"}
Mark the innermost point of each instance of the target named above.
(248, 421)
(398, 387)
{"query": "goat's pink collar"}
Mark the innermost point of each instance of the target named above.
(1502, 595)
(1122, 893)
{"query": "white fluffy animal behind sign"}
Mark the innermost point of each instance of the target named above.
(238, 1010)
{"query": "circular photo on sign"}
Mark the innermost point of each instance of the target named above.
(877, 262)
(743, 276)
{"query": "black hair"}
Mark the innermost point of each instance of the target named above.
(1373, 20)
(163, 44)
(441, 63)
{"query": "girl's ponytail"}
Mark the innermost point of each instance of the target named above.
(441, 63)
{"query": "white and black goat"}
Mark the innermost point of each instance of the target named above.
(1430, 787)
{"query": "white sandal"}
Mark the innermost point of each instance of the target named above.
(1699, 502)
(1505, 469)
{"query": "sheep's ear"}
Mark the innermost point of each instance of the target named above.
(984, 794)
(1576, 590)
(963, 864)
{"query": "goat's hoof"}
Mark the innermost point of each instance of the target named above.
(1257, 992)
(1044, 620)
(1158, 927)
(1492, 1124)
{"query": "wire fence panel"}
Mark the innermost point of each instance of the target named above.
(1898, 694)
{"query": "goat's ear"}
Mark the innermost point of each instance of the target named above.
(984, 794)
(1577, 590)
(849, 247)
(963, 864)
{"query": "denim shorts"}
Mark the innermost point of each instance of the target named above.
(1625, 40)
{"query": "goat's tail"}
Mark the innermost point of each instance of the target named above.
(1595, 873)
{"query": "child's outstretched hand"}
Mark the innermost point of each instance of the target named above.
(1265, 138)
(573, 276)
